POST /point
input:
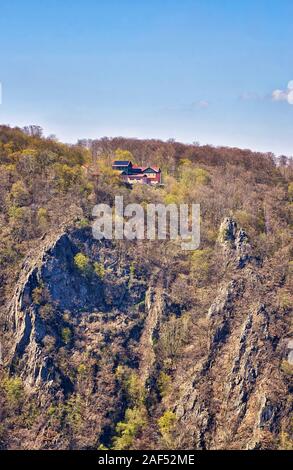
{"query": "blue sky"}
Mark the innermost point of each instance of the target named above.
(204, 70)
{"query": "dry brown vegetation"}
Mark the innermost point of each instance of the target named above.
(101, 398)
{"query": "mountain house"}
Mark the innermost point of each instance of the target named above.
(133, 174)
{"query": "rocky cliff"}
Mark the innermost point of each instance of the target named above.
(77, 329)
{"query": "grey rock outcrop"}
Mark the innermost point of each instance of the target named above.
(235, 243)
(68, 291)
(233, 382)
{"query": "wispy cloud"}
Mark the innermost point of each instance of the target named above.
(250, 96)
(277, 95)
(189, 108)
(202, 104)
(284, 95)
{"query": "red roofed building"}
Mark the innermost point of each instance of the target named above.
(133, 174)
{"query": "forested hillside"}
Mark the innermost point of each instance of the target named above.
(128, 345)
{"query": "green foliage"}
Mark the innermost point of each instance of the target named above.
(16, 214)
(82, 263)
(164, 384)
(99, 270)
(82, 369)
(131, 384)
(201, 263)
(14, 391)
(8, 255)
(120, 373)
(191, 175)
(136, 393)
(127, 430)
(19, 194)
(108, 175)
(202, 176)
(83, 223)
(249, 221)
(223, 234)
(171, 199)
(86, 188)
(167, 423)
(190, 179)
(30, 413)
(73, 410)
(123, 155)
(55, 412)
(102, 447)
(67, 176)
(132, 269)
(68, 413)
(20, 222)
(66, 335)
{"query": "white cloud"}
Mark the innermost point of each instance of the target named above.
(284, 95)
(279, 95)
(290, 97)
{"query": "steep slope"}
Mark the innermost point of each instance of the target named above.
(238, 397)
(87, 344)
(138, 344)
